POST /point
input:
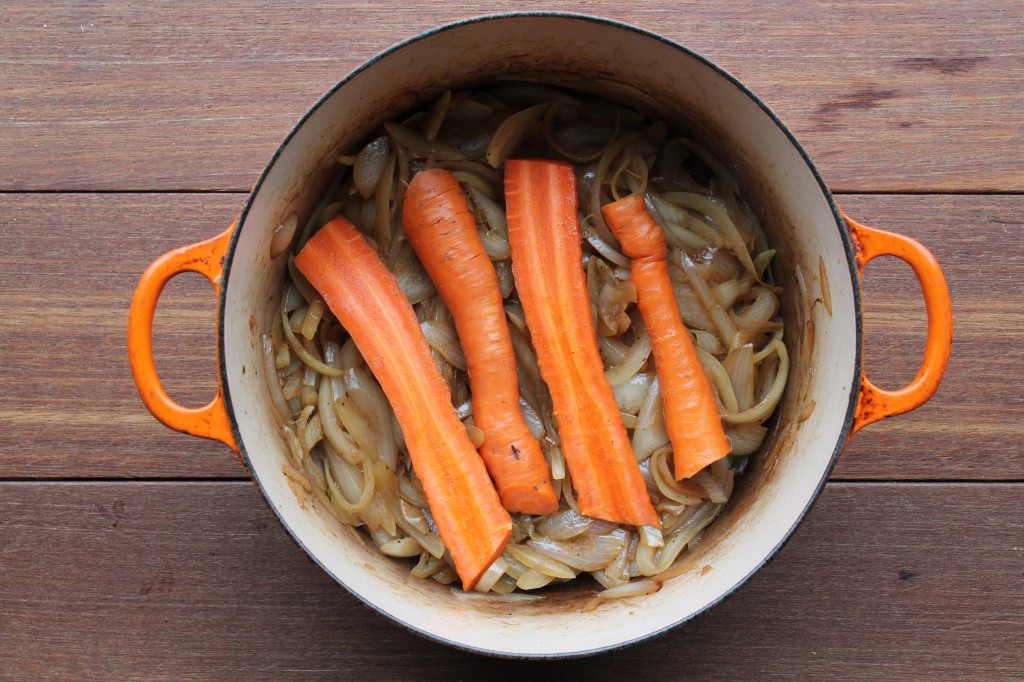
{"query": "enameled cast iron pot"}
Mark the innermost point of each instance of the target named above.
(823, 320)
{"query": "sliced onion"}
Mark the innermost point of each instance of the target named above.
(475, 435)
(612, 350)
(731, 290)
(719, 378)
(650, 433)
(402, 548)
(489, 177)
(282, 235)
(513, 597)
(740, 366)
(690, 309)
(356, 424)
(511, 133)
(435, 117)
(557, 464)
(716, 493)
(606, 250)
(411, 490)
(495, 232)
(364, 391)
(278, 404)
(666, 483)
(406, 517)
(412, 278)
(473, 147)
(311, 321)
(313, 433)
(583, 553)
(376, 515)
(719, 216)
(634, 360)
(723, 323)
(351, 482)
(428, 565)
(651, 536)
(724, 474)
(540, 561)
(305, 355)
(490, 576)
(764, 307)
(564, 524)
(526, 359)
(533, 422)
(506, 281)
(369, 166)
(443, 339)
(514, 313)
(721, 267)
(580, 142)
(651, 561)
(635, 588)
(496, 245)
(617, 572)
(762, 261)
(518, 93)
(612, 301)
(533, 579)
(707, 341)
(630, 394)
(420, 146)
(761, 411)
(682, 228)
(472, 181)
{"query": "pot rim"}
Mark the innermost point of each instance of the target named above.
(840, 223)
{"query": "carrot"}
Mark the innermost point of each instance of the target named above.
(366, 299)
(691, 414)
(547, 265)
(442, 231)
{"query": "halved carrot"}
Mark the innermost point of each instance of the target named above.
(366, 299)
(441, 229)
(544, 236)
(691, 415)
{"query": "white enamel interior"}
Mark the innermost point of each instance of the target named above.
(798, 219)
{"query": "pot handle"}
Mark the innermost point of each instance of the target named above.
(206, 258)
(876, 403)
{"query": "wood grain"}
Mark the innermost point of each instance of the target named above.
(171, 579)
(68, 267)
(973, 427)
(68, 407)
(894, 96)
(198, 581)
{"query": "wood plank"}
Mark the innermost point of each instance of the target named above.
(973, 427)
(884, 95)
(68, 406)
(66, 304)
(172, 581)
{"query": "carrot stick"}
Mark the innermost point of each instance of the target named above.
(443, 233)
(366, 299)
(691, 415)
(547, 263)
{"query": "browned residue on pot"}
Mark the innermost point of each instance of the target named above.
(826, 290)
(806, 413)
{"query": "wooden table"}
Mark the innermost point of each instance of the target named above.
(130, 551)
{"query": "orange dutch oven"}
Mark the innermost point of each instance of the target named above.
(828, 397)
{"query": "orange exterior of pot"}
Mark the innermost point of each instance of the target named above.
(876, 403)
(206, 258)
